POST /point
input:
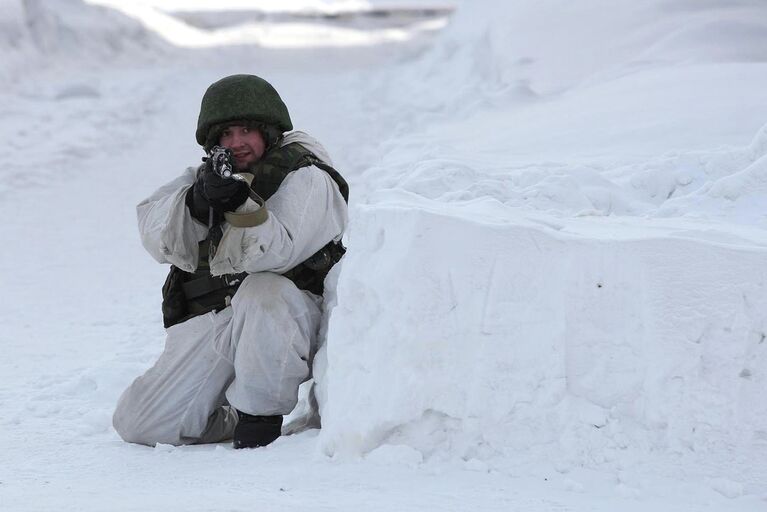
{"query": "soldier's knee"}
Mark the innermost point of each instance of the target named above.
(128, 428)
(263, 289)
(132, 427)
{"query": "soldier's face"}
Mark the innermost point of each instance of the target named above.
(247, 145)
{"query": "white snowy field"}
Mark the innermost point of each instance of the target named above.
(555, 295)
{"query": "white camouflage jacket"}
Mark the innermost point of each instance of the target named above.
(305, 213)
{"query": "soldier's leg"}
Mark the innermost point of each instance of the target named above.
(274, 330)
(180, 400)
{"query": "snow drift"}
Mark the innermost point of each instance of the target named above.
(81, 31)
(68, 33)
(15, 42)
(530, 342)
(602, 305)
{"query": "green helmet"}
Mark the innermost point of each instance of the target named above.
(241, 98)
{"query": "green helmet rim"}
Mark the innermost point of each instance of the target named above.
(241, 98)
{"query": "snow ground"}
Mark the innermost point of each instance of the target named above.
(568, 305)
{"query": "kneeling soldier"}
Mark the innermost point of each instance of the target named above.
(250, 236)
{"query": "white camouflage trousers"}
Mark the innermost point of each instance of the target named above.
(251, 356)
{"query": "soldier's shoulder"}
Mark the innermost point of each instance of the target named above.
(310, 143)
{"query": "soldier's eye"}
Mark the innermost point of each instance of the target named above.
(245, 130)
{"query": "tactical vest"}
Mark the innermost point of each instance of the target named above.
(186, 294)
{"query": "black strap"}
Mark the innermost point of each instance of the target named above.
(207, 284)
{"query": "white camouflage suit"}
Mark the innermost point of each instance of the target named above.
(254, 354)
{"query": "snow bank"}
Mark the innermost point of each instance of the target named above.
(498, 53)
(15, 43)
(77, 32)
(569, 125)
(473, 339)
(69, 34)
(559, 253)
(723, 185)
(55, 61)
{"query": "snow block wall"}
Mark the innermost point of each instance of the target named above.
(561, 256)
(460, 335)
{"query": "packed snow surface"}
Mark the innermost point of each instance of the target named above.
(555, 290)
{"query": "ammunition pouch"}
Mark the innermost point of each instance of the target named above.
(310, 275)
(186, 295)
(174, 308)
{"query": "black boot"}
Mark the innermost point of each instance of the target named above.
(254, 431)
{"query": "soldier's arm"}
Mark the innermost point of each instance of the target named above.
(305, 213)
(168, 231)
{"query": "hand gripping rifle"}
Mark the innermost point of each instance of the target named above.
(220, 159)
